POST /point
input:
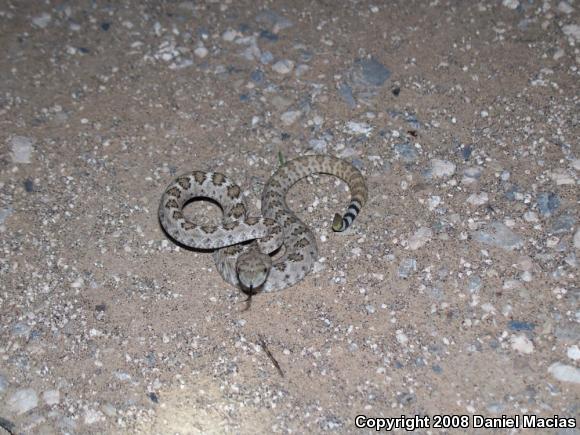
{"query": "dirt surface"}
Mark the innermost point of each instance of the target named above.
(455, 291)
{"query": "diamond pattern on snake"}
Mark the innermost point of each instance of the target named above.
(250, 266)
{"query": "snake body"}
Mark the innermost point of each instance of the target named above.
(248, 265)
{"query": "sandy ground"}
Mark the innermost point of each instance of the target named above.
(455, 292)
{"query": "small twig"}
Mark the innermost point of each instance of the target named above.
(8, 426)
(269, 354)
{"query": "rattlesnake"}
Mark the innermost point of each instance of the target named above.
(248, 266)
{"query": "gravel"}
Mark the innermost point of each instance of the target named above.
(460, 270)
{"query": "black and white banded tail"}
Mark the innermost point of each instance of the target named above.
(341, 223)
(287, 175)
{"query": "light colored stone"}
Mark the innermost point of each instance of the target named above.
(23, 401)
(531, 216)
(93, 416)
(510, 284)
(522, 344)
(561, 177)
(433, 202)
(478, 198)
(573, 353)
(420, 238)
(442, 168)
(229, 35)
(577, 239)
(42, 20)
(109, 409)
(21, 149)
(525, 263)
(290, 117)
(527, 276)
(4, 213)
(358, 127)
(281, 103)
(565, 8)
(565, 373)
(284, 66)
(51, 397)
(3, 384)
(573, 31)
(402, 338)
(558, 54)
(301, 70)
(511, 4)
(201, 52)
(471, 175)
(498, 234)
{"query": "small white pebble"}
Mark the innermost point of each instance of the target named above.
(573, 352)
(511, 4)
(442, 168)
(421, 237)
(229, 35)
(565, 8)
(22, 148)
(401, 337)
(201, 52)
(301, 70)
(577, 239)
(509, 222)
(42, 20)
(562, 177)
(552, 241)
(92, 416)
(78, 283)
(433, 202)
(51, 397)
(284, 66)
(565, 373)
(522, 344)
(290, 117)
(478, 198)
(558, 54)
(488, 308)
(531, 216)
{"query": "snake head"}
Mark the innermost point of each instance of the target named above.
(252, 269)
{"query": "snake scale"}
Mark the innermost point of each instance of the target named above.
(250, 266)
